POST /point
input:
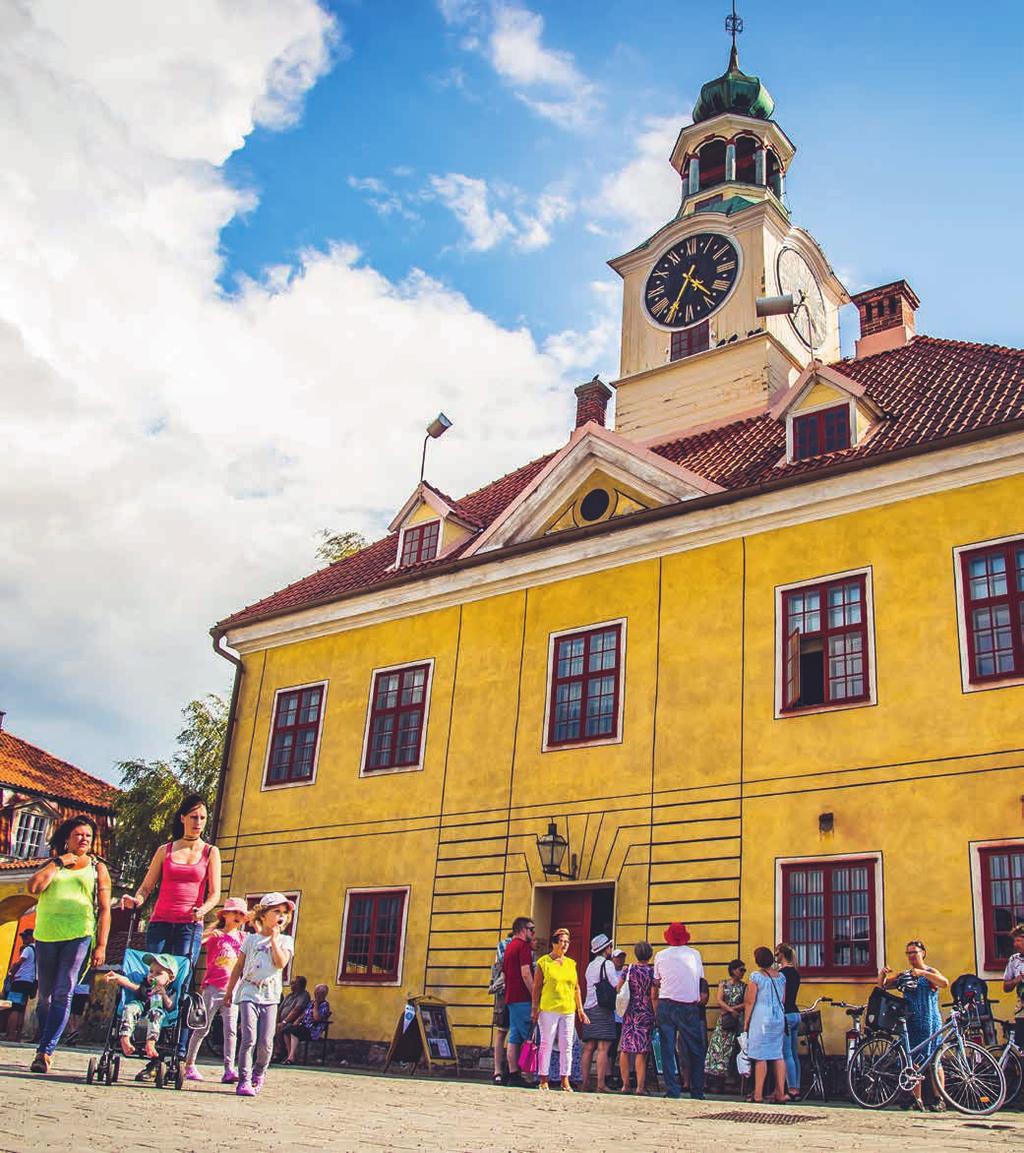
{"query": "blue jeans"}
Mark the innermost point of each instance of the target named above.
(180, 940)
(58, 964)
(791, 1052)
(675, 1017)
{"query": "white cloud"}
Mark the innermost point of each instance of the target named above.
(169, 451)
(638, 198)
(382, 199)
(510, 37)
(468, 199)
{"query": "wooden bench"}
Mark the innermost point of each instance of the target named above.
(321, 1041)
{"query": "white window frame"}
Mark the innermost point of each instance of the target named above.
(427, 688)
(293, 927)
(265, 785)
(977, 897)
(793, 414)
(961, 616)
(359, 892)
(439, 521)
(827, 859)
(780, 645)
(30, 812)
(553, 638)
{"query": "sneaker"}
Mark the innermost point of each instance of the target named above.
(41, 1063)
(244, 1089)
(230, 1076)
(192, 1073)
(257, 1082)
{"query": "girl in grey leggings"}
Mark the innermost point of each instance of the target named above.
(255, 986)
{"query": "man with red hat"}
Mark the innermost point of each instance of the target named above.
(675, 994)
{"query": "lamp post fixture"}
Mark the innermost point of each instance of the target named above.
(552, 848)
(437, 427)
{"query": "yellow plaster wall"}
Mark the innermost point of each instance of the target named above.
(818, 395)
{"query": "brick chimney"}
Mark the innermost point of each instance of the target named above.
(886, 317)
(592, 402)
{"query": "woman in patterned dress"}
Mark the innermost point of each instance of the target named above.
(920, 985)
(722, 1042)
(638, 1021)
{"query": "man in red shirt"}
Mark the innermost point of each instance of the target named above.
(518, 969)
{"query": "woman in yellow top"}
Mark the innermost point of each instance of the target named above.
(556, 995)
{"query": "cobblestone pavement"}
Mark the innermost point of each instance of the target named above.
(315, 1109)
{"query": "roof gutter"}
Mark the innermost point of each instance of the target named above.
(663, 512)
(229, 730)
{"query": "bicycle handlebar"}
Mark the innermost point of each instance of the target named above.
(820, 1001)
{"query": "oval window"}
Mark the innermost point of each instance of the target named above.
(595, 504)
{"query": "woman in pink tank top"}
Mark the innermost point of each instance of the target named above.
(186, 873)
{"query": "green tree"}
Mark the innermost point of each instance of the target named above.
(152, 790)
(335, 546)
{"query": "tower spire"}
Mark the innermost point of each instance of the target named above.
(734, 26)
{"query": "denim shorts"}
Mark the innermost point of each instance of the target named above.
(520, 1027)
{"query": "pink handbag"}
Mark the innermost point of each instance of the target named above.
(529, 1053)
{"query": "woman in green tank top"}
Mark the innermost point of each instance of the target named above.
(72, 887)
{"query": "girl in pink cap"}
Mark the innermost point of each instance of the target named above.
(223, 943)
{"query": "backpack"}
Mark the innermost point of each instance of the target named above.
(605, 990)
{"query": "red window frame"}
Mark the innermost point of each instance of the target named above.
(817, 433)
(295, 731)
(585, 684)
(800, 930)
(790, 639)
(419, 543)
(1009, 603)
(360, 941)
(689, 341)
(398, 707)
(1002, 900)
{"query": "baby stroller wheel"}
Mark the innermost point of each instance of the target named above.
(179, 1075)
(90, 1073)
(107, 1073)
(115, 1068)
(160, 1075)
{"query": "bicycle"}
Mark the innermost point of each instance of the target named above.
(855, 1033)
(1011, 1061)
(965, 1075)
(817, 1061)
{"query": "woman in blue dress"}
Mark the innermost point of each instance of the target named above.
(920, 985)
(765, 1025)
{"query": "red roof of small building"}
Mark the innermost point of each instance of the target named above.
(928, 391)
(24, 766)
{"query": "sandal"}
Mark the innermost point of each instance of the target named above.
(41, 1063)
(498, 1079)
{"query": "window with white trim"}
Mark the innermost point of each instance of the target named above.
(585, 686)
(295, 735)
(825, 643)
(420, 543)
(1002, 900)
(373, 936)
(829, 915)
(397, 721)
(991, 582)
(29, 839)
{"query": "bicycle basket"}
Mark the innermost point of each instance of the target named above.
(884, 1012)
(810, 1022)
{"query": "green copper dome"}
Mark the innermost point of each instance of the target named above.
(734, 91)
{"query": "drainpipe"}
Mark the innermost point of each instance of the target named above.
(218, 637)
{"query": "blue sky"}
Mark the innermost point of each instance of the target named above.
(902, 116)
(250, 250)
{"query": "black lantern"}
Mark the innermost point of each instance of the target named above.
(552, 848)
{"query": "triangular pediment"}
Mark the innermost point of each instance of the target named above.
(597, 476)
(817, 385)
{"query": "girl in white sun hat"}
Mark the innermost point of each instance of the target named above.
(255, 986)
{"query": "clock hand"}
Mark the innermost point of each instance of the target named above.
(682, 288)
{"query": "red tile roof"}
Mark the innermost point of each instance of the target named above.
(30, 864)
(24, 766)
(929, 390)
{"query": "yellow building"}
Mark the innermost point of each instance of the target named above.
(751, 659)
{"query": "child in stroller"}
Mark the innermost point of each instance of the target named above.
(152, 996)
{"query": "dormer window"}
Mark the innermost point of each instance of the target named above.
(816, 433)
(29, 835)
(419, 543)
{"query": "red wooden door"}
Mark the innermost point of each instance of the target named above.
(570, 909)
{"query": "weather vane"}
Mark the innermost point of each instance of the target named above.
(734, 24)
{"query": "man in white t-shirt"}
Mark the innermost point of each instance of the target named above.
(675, 994)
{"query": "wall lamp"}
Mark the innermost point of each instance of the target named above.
(552, 848)
(826, 822)
(437, 427)
(789, 304)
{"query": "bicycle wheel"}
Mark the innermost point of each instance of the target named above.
(873, 1075)
(968, 1077)
(815, 1081)
(1013, 1071)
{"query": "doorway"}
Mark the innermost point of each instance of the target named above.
(585, 912)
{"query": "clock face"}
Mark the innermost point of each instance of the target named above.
(691, 280)
(796, 276)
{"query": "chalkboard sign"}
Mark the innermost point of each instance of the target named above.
(423, 1033)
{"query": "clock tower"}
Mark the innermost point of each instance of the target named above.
(694, 351)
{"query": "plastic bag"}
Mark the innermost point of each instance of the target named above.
(622, 996)
(742, 1060)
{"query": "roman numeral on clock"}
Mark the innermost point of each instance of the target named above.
(659, 308)
(719, 285)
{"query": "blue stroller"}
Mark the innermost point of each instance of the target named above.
(168, 1067)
